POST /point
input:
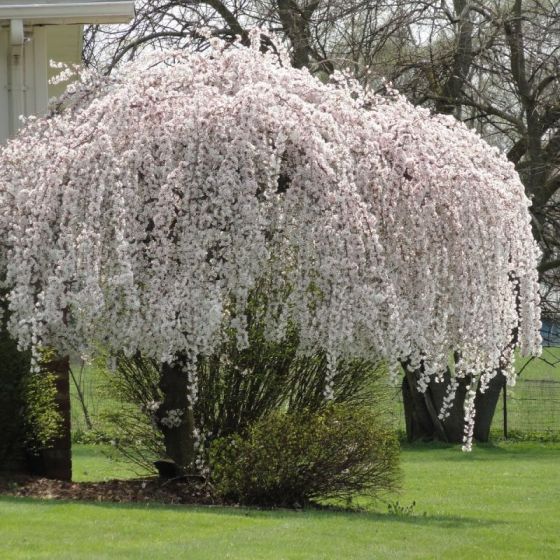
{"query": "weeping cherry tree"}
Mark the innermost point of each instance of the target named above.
(138, 216)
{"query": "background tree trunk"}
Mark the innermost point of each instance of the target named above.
(420, 425)
(485, 405)
(421, 410)
(179, 440)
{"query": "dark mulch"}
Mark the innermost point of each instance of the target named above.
(118, 491)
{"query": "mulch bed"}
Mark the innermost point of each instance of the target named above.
(117, 491)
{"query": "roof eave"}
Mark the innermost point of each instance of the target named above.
(75, 12)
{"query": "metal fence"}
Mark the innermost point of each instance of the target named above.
(530, 409)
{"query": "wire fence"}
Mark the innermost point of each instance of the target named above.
(530, 409)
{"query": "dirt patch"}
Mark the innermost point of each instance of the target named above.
(117, 491)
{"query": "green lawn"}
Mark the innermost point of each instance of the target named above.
(495, 503)
(545, 368)
(96, 463)
(92, 385)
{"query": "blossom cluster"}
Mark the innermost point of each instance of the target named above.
(141, 216)
(173, 418)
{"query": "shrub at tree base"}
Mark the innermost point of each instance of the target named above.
(292, 459)
(29, 419)
(236, 388)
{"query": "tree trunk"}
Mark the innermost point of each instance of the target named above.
(178, 435)
(419, 423)
(485, 405)
(421, 410)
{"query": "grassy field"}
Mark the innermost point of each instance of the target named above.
(534, 402)
(500, 502)
(96, 463)
(546, 368)
(89, 382)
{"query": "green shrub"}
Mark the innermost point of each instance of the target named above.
(14, 368)
(290, 459)
(29, 419)
(236, 388)
(41, 419)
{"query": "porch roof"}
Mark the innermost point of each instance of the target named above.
(51, 12)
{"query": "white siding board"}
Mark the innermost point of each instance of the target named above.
(4, 92)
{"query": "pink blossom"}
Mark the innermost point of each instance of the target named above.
(134, 218)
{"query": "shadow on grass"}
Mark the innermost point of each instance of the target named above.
(492, 451)
(308, 514)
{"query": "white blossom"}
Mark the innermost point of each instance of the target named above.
(173, 418)
(140, 217)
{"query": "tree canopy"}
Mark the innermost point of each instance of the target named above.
(142, 211)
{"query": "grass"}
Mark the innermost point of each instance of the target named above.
(534, 402)
(96, 463)
(545, 368)
(93, 387)
(499, 502)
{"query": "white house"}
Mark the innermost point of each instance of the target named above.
(32, 32)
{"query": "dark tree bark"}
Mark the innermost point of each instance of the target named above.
(421, 410)
(178, 439)
(452, 88)
(485, 405)
(420, 422)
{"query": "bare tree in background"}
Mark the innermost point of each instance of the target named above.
(496, 66)
(321, 34)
